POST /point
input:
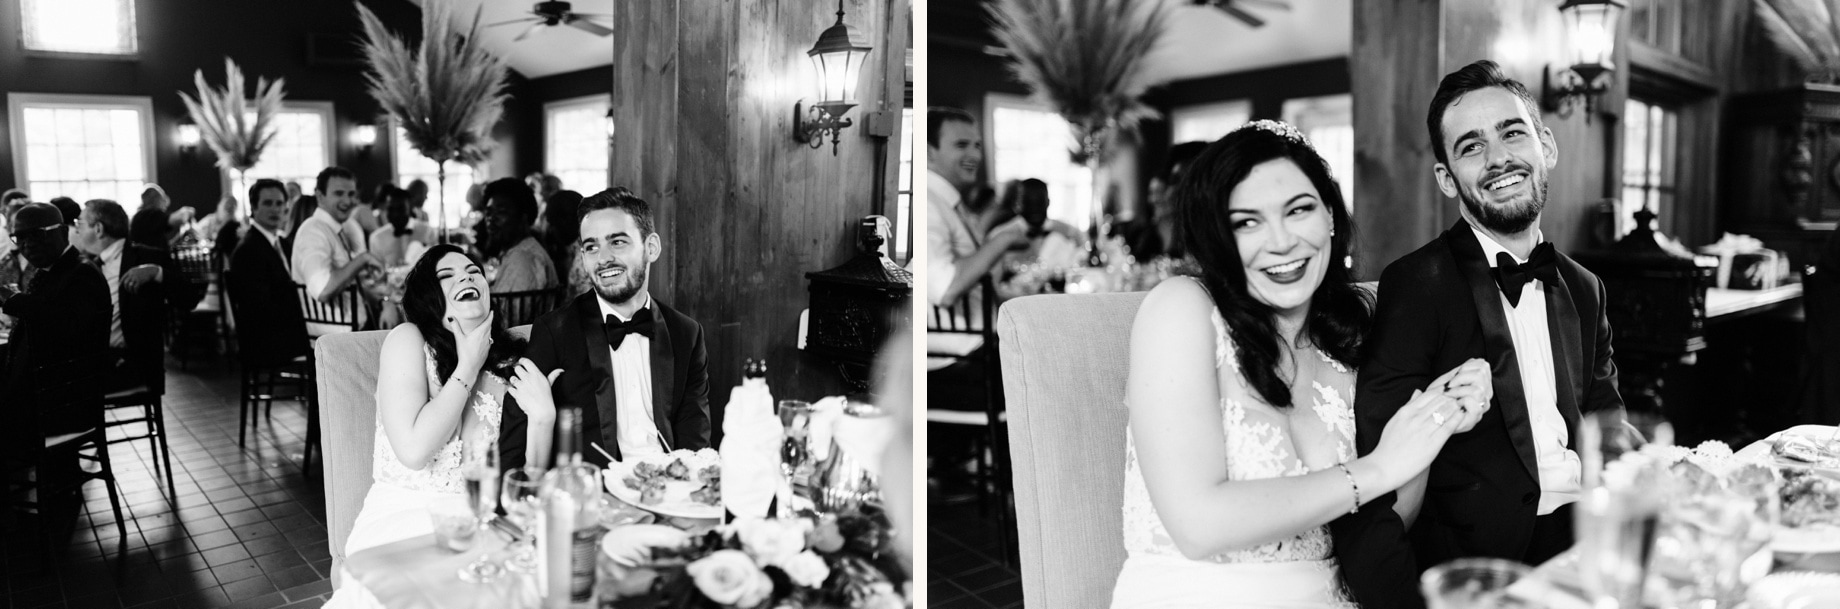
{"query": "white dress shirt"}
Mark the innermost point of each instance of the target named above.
(111, 271)
(321, 245)
(1558, 463)
(632, 389)
(948, 236)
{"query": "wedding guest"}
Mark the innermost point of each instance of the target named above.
(70, 210)
(1049, 243)
(1153, 234)
(369, 213)
(560, 240)
(63, 313)
(270, 328)
(520, 262)
(329, 250)
(418, 196)
(957, 258)
(299, 210)
(10, 202)
(137, 276)
(293, 192)
(225, 226)
(1490, 287)
(1239, 449)
(153, 225)
(390, 243)
(651, 357)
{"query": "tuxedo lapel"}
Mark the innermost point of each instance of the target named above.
(1562, 323)
(603, 419)
(663, 363)
(1497, 342)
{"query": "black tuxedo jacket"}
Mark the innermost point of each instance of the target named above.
(63, 314)
(570, 338)
(1439, 306)
(270, 327)
(144, 315)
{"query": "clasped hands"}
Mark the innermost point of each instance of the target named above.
(1460, 397)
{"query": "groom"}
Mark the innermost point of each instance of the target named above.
(1489, 287)
(636, 368)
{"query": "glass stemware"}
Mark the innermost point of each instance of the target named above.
(1619, 513)
(795, 449)
(518, 495)
(479, 469)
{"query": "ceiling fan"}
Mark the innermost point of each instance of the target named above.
(549, 14)
(1235, 8)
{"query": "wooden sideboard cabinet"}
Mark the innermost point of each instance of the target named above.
(1782, 180)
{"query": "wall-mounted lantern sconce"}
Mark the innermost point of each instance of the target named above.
(1591, 28)
(609, 125)
(188, 137)
(838, 57)
(364, 136)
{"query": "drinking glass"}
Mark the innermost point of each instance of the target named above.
(1619, 511)
(1721, 537)
(454, 524)
(1471, 583)
(795, 449)
(479, 468)
(519, 497)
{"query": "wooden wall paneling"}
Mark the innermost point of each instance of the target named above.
(1394, 69)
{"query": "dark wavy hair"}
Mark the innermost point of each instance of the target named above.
(1478, 75)
(395, 204)
(1340, 313)
(426, 306)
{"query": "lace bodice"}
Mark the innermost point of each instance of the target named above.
(442, 474)
(1257, 448)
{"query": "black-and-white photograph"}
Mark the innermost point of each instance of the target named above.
(457, 303)
(1325, 303)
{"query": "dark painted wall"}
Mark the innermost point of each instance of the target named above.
(177, 38)
(524, 113)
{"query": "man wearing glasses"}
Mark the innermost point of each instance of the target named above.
(63, 313)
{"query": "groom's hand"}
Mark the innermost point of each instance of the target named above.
(1472, 388)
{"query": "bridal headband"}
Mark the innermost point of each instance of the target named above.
(1280, 129)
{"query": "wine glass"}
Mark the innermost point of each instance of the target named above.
(1619, 513)
(795, 449)
(518, 495)
(479, 468)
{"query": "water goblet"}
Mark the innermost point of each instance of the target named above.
(518, 495)
(1618, 515)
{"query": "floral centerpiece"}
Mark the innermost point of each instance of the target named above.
(808, 561)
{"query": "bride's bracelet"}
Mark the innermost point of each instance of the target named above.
(1353, 486)
(464, 386)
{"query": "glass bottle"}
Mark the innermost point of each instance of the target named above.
(568, 530)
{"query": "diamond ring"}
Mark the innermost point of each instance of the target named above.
(1438, 418)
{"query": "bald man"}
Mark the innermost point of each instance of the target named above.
(62, 314)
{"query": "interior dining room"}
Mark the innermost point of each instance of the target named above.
(286, 167)
(1692, 177)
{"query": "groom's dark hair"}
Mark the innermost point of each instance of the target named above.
(623, 199)
(1479, 75)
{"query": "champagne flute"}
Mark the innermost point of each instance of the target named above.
(795, 449)
(519, 497)
(479, 468)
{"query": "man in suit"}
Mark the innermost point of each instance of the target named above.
(63, 314)
(1489, 287)
(137, 275)
(270, 328)
(637, 368)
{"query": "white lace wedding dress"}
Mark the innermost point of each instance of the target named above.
(397, 506)
(1295, 572)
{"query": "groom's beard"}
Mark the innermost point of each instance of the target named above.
(631, 281)
(1510, 218)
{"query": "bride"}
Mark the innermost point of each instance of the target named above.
(440, 383)
(1240, 445)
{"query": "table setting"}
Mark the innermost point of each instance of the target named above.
(1668, 526)
(785, 513)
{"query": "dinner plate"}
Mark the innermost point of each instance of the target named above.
(1816, 539)
(1795, 590)
(614, 479)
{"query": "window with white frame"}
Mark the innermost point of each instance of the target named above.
(82, 146)
(1329, 123)
(1028, 140)
(301, 149)
(904, 194)
(102, 27)
(410, 165)
(1208, 122)
(575, 142)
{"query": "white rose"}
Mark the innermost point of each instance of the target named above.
(772, 542)
(729, 577)
(807, 570)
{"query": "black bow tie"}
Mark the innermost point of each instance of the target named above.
(1511, 276)
(616, 330)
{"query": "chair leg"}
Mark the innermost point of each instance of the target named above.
(312, 440)
(108, 478)
(159, 420)
(242, 415)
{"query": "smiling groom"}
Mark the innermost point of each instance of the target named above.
(636, 368)
(1490, 287)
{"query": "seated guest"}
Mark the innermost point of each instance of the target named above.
(298, 211)
(10, 202)
(957, 259)
(262, 284)
(559, 240)
(390, 242)
(68, 208)
(650, 357)
(369, 213)
(511, 250)
(418, 197)
(329, 250)
(63, 314)
(1050, 243)
(152, 225)
(1154, 234)
(136, 275)
(224, 226)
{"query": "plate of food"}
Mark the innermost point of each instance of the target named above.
(1810, 517)
(682, 483)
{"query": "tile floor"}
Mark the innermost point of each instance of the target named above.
(964, 557)
(246, 528)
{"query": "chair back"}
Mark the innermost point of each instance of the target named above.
(1065, 360)
(70, 390)
(958, 330)
(341, 314)
(521, 308)
(195, 273)
(346, 369)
